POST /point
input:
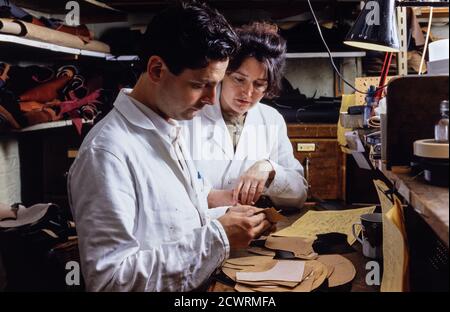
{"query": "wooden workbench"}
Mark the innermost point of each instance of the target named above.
(430, 202)
(357, 258)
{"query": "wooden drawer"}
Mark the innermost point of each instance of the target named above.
(317, 144)
(324, 172)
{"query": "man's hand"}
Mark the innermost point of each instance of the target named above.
(243, 224)
(252, 182)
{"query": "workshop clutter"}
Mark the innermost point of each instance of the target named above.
(32, 241)
(303, 257)
(268, 274)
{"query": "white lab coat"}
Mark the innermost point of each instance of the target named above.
(141, 226)
(264, 136)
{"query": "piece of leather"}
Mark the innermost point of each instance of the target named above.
(282, 271)
(46, 92)
(261, 251)
(10, 109)
(332, 243)
(343, 269)
(273, 216)
(300, 247)
(81, 31)
(316, 277)
(41, 116)
(31, 106)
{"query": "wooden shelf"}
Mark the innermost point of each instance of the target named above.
(325, 55)
(52, 125)
(20, 42)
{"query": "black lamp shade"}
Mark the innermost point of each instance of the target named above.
(375, 28)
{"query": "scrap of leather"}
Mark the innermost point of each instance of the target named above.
(314, 275)
(273, 216)
(45, 92)
(81, 31)
(282, 271)
(343, 270)
(28, 106)
(261, 251)
(41, 116)
(299, 246)
(9, 118)
(317, 275)
(332, 243)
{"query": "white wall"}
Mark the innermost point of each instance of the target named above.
(9, 171)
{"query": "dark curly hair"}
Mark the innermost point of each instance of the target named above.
(188, 34)
(262, 41)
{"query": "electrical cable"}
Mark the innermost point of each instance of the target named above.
(331, 56)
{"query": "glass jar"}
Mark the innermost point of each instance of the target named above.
(441, 127)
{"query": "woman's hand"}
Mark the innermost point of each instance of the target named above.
(252, 182)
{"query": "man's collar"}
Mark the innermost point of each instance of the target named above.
(144, 117)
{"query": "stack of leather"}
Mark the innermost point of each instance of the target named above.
(36, 94)
(288, 264)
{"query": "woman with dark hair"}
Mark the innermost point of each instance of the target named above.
(239, 145)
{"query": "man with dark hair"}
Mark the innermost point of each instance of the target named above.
(139, 204)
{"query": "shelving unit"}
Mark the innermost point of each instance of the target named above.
(325, 55)
(16, 42)
(52, 125)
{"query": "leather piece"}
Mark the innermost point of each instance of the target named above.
(46, 92)
(332, 243)
(41, 116)
(342, 270)
(299, 247)
(10, 110)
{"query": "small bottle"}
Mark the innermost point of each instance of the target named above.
(441, 127)
(368, 107)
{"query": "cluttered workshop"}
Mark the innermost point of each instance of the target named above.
(224, 146)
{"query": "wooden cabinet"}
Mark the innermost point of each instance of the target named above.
(316, 147)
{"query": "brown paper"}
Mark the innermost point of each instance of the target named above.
(261, 251)
(343, 271)
(307, 285)
(299, 246)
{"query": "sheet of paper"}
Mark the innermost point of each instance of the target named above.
(288, 271)
(322, 222)
(385, 201)
(395, 252)
(362, 162)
